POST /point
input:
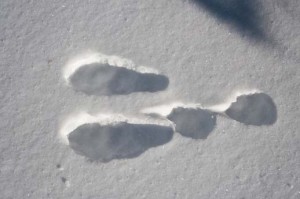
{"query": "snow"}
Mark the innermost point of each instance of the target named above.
(102, 141)
(206, 60)
(99, 74)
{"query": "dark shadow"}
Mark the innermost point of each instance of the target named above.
(103, 79)
(255, 109)
(193, 123)
(124, 140)
(242, 14)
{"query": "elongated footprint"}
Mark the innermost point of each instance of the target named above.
(189, 120)
(107, 137)
(99, 74)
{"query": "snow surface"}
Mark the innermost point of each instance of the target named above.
(98, 74)
(208, 51)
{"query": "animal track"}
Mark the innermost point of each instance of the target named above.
(195, 123)
(254, 109)
(250, 108)
(190, 121)
(111, 75)
(108, 138)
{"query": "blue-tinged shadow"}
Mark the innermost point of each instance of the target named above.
(241, 14)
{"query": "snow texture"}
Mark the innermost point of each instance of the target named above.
(192, 120)
(107, 137)
(239, 59)
(256, 109)
(194, 123)
(110, 75)
(124, 140)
